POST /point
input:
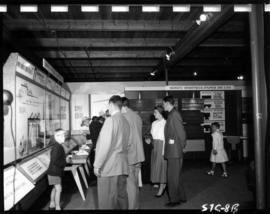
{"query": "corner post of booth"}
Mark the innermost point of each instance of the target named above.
(256, 20)
(267, 75)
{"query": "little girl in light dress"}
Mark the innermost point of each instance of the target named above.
(218, 154)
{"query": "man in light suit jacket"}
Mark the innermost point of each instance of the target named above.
(111, 160)
(175, 142)
(135, 153)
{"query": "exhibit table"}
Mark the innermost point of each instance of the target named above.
(79, 160)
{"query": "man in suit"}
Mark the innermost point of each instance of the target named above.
(94, 128)
(111, 160)
(175, 142)
(135, 153)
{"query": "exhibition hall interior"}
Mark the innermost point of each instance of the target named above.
(195, 79)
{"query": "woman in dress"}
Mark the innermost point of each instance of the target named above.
(158, 163)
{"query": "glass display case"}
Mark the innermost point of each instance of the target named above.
(40, 105)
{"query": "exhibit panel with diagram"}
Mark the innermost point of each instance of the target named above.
(40, 105)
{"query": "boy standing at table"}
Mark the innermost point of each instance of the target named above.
(56, 168)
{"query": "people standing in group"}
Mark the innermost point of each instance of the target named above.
(94, 128)
(135, 153)
(175, 142)
(218, 153)
(111, 160)
(158, 163)
(56, 168)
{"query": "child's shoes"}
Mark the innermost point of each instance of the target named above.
(224, 175)
(211, 172)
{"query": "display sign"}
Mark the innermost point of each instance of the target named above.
(182, 88)
(64, 111)
(67, 95)
(214, 114)
(199, 87)
(34, 168)
(40, 77)
(51, 70)
(51, 84)
(52, 113)
(212, 95)
(63, 92)
(30, 101)
(213, 104)
(57, 89)
(25, 68)
(14, 181)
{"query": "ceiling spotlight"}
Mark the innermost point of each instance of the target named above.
(170, 52)
(203, 18)
(241, 77)
(153, 73)
(195, 74)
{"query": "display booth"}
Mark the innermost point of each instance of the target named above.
(41, 104)
(199, 105)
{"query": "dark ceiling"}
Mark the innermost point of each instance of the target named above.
(107, 46)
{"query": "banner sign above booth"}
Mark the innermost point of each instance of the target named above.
(182, 88)
(25, 68)
(51, 70)
(40, 77)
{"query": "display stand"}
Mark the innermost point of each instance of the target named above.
(41, 104)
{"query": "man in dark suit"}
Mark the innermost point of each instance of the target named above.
(94, 128)
(175, 142)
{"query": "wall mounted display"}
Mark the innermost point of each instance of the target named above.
(214, 109)
(40, 77)
(30, 100)
(64, 111)
(52, 114)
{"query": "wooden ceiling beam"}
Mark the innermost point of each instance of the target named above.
(101, 54)
(126, 42)
(99, 25)
(108, 70)
(144, 62)
(106, 63)
(101, 42)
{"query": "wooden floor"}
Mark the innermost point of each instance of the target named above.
(200, 189)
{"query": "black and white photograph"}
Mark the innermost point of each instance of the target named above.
(135, 105)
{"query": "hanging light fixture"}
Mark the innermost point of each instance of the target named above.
(203, 18)
(170, 53)
(153, 73)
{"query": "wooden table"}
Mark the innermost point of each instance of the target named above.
(79, 162)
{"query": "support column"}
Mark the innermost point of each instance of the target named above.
(258, 91)
(267, 75)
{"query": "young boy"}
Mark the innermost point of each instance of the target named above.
(218, 154)
(56, 168)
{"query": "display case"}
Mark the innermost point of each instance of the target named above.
(41, 104)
